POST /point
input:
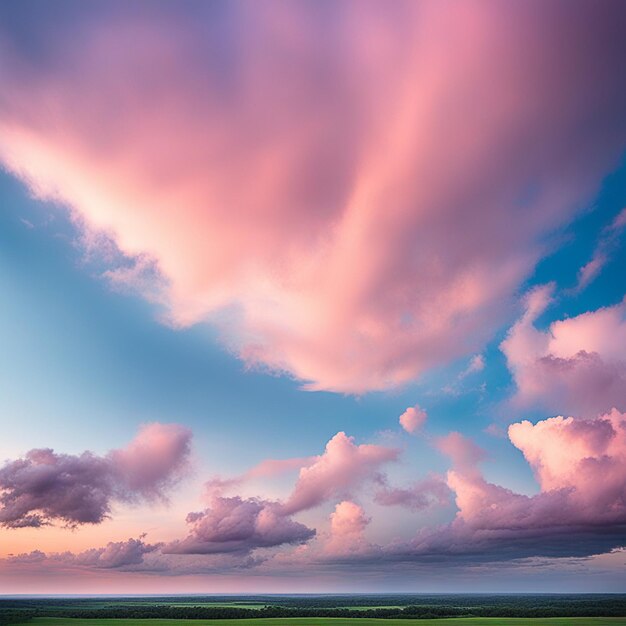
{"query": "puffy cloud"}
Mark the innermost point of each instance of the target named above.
(45, 486)
(413, 419)
(576, 364)
(347, 529)
(586, 457)
(421, 495)
(323, 186)
(581, 509)
(342, 467)
(238, 525)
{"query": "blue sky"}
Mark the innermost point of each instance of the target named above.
(77, 352)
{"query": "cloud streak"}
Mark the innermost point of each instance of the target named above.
(609, 240)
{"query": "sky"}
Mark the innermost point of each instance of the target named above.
(312, 296)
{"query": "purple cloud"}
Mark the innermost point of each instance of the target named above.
(44, 486)
(115, 555)
(238, 525)
(421, 495)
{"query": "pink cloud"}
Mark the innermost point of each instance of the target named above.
(572, 492)
(273, 467)
(45, 486)
(581, 508)
(347, 529)
(154, 459)
(343, 467)
(349, 205)
(587, 457)
(591, 270)
(413, 419)
(267, 468)
(576, 364)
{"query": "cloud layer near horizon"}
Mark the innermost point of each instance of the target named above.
(580, 510)
(44, 487)
(301, 196)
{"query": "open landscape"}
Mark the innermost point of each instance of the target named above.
(317, 610)
(313, 312)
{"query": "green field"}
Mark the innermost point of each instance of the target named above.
(336, 621)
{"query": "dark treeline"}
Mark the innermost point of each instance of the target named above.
(8, 616)
(330, 601)
(415, 607)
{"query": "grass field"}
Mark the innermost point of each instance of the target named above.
(334, 621)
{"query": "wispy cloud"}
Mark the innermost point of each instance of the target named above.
(608, 241)
(323, 185)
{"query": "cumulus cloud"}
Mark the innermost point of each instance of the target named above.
(580, 466)
(323, 186)
(586, 457)
(413, 419)
(576, 364)
(45, 486)
(580, 510)
(347, 529)
(343, 467)
(238, 525)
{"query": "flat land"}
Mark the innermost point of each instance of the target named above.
(337, 621)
